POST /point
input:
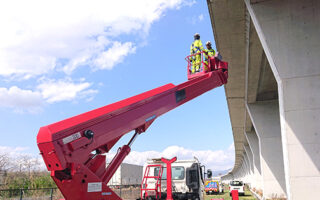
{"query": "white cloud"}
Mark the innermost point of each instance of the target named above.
(195, 19)
(20, 99)
(12, 151)
(48, 91)
(39, 35)
(215, 160)
(114, 55)
(64, 90)
(200, 17)
(39, 38)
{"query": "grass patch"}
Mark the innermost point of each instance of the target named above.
(247, 196)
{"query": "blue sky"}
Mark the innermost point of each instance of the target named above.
(53, 67)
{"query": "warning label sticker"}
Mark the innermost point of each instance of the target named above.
(95, 187)
(71, 138)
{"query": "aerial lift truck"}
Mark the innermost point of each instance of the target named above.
(186, 180)
(74, 149)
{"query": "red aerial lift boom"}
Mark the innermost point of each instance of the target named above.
(73, 148)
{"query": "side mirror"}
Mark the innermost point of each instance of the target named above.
(192, 177)
(209, 173)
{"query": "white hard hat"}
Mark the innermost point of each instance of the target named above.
(196, 35)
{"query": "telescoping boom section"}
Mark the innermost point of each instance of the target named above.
(74, 149)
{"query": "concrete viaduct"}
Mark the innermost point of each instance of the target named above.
(273, 94)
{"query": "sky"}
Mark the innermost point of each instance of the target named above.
(62, 58)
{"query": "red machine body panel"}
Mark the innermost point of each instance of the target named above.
(67, 146)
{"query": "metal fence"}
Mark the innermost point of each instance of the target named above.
(125, 192)
(28, 194)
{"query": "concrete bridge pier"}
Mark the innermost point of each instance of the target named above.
(248, 176)
(247, 168)
(273, 91)
(245, 173)
(254, 146)
(252, 180)
(289, 33)
(266, 122)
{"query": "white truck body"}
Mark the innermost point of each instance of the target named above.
(179, 176)
(127, 174)
(236, 185)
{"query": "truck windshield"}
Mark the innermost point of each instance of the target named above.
(177, 173)
(236, 183)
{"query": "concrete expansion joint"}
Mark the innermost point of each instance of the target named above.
(235, 97)
(264, 101)
(305, 176)
(304, 109)
(298, 77)
(268, 137)
(258, 1)
(305, 143)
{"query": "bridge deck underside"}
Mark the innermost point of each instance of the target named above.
(250, 76)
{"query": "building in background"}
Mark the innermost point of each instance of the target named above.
(127, 175)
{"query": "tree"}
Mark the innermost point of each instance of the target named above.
(5, 163)
(4, 166)
(28, 164)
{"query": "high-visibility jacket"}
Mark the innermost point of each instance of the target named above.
(196, 47)
(208, 53)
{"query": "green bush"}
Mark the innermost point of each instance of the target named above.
(44, 181)
(18, 180)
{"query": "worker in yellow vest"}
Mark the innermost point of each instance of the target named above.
(209, 52)
(196, 47)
